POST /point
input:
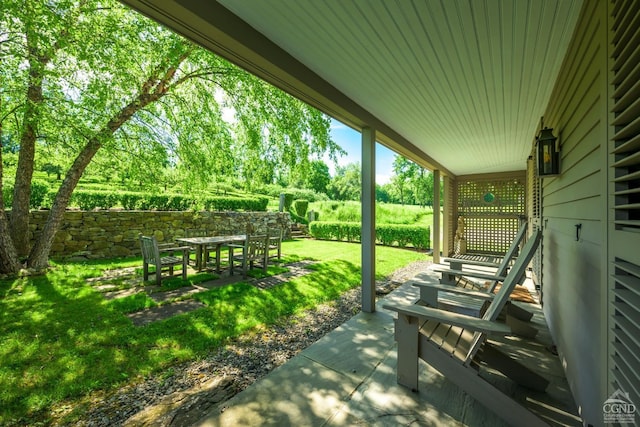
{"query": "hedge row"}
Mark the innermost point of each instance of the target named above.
(38, 198)
(386, 234)
(42, 197)
(89, 200)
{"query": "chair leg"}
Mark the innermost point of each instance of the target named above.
(185, 262)
(145, 271)
(158, 274)
(244, 264)
(406, 332)
(230, 254)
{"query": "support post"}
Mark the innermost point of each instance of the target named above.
(436, 216)
(368, 232)
(446, 216)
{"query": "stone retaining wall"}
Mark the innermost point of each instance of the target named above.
(108, 234)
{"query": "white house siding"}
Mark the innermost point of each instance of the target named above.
(574, 267)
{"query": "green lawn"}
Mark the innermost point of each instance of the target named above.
(61, 339)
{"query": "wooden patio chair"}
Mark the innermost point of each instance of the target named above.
(456, 344)
(253, 251)
(473, 302)
(152, 255)
(275, 243)
(453, 274)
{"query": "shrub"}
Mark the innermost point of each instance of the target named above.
(39, 192)
(88, 200)
(274, 190)
(297, 218)
(288, 200)
(386, 234)
(38, 198)
(131, 200)
(235, 203)
(7, 196)
(301, 207)
(335, 230)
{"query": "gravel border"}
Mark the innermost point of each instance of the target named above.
(169, 399)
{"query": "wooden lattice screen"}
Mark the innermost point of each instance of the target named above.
(492, 207)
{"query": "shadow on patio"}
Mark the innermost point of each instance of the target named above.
(349, 377)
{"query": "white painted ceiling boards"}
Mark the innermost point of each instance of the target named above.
(455, 84)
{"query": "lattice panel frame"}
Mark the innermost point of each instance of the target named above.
(490, 235)
(495, 196)
(492, 207)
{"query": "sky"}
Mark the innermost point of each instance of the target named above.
(350, 141)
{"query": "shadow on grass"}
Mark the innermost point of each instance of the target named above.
(62, 339)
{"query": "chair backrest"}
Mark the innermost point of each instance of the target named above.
(511, 252)
(515, 274)
(275, 234)
(508, 285)
(149, 248)
(256, 247)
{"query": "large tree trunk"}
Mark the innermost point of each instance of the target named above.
(152, 90)
(39, 256)
(8, 256)
(19, 222)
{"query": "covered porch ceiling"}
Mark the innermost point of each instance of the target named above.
(455, 85)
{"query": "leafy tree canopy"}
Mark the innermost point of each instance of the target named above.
(92, 84)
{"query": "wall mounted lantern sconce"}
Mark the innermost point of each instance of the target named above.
(548, 153)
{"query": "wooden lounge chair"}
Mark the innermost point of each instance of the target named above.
(455, 345)
(456, 270)
(254, 250)
(152, 255)
(471, 301)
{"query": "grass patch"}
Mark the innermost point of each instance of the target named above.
(173, 283)
(132, 303)
(62, 339)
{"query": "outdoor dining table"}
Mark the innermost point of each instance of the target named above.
(218, 241)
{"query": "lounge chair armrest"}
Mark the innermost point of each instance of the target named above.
(467, 273)
(450, 318)
(453, 289)
(471, 262)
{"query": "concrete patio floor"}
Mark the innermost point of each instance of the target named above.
(349, 378)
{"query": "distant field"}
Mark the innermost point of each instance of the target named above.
(386, 213)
